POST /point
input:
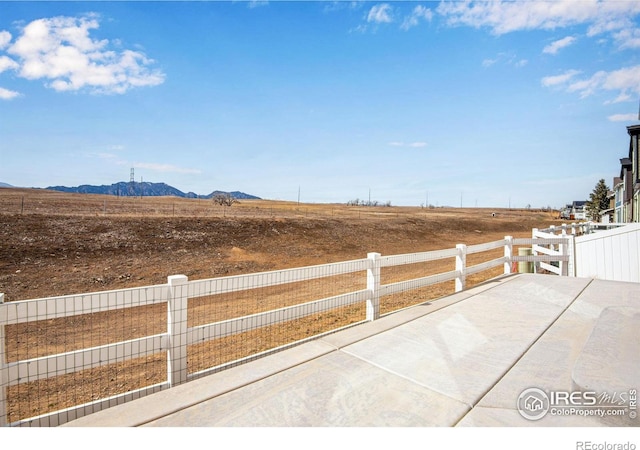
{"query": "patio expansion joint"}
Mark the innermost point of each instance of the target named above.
(387, 370)
(505, 279)
(404, 377)
(524, 353)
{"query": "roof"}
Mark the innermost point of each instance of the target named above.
(633, 130)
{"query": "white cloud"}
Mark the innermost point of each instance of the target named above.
(555, 80)
(5, 38)
(623, 117)
(489, 62)
(7, 63)
(628, 38)
(6, 94)
(419, 13)
(411, 145)
(505, 58)
(113, 156)
(257, 3)
(380, 14)
(623, 97)
(108, 156)
(61, 50)
(507, 16)
(555, 46)
(625, 81)
(165, 168)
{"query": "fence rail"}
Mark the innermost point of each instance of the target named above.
(364, 290)
(582, 228)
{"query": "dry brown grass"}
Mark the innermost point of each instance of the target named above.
(56, 244)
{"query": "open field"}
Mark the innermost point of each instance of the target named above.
(54, 244)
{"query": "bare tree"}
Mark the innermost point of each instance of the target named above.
(224, 199)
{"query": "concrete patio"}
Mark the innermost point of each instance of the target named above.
(463, 360)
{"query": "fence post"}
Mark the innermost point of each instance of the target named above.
(571, 251)
(534, 231)
(461, 267)
(177, 329)
(508, 254)
(4, 379)
(373, 284)
(564, 251)
(553, 232)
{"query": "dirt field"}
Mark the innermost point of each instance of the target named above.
(54, 244)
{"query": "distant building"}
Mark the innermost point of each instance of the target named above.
(578, 211)
(565, 212)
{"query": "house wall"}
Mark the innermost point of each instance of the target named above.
(632, 182)
(618, 203)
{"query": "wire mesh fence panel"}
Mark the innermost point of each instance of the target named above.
(229, 305)
(411, 271)
(240, 348)
(412, 293)
(233, 325)
(40, 338)
(394, 302)
(80, 356)
(486, 274)
(58, 392)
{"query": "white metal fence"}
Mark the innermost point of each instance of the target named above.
(169, 334)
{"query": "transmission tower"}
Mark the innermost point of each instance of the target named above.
(132, 184)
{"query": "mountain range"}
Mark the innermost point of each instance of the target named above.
(144, 189)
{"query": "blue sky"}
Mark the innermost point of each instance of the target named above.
(486, 104)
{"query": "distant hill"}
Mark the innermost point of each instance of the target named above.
(4, 185)
(145, 189)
